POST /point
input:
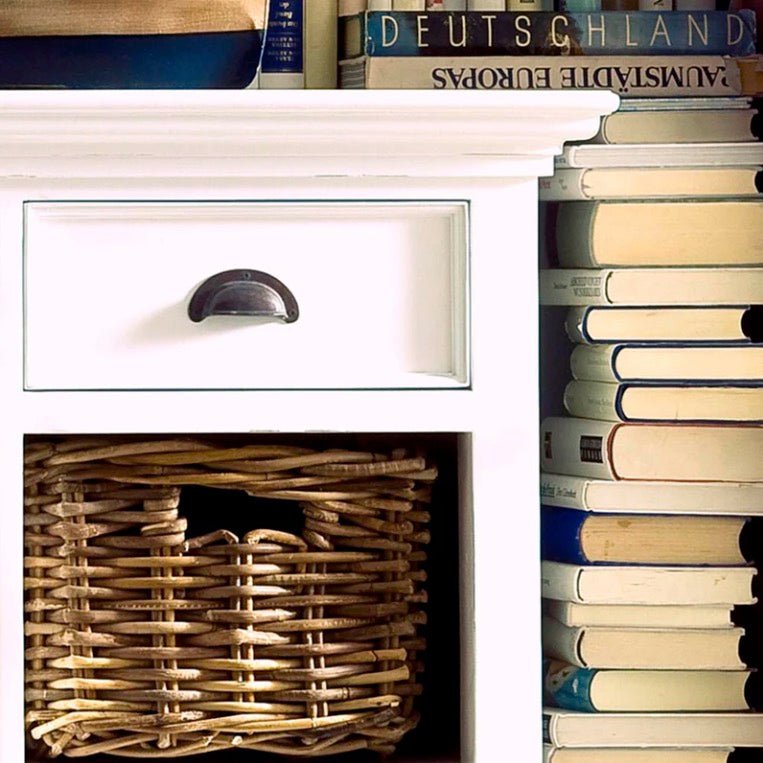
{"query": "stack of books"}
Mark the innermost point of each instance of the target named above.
(652, 488)
(501, 46)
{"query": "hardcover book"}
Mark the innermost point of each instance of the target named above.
(688, 363)
(682, 231)
(565, 728)
(633, 584)
(606, 450)
(661, 401)
(661, 155)
(475, 33)
(651, 286)
(576, 615)
(553, 754)
(629, 76)
(575, 536)
(645, 648)
(669, 496)
(587, 183)
(601, 690)
(701, 323)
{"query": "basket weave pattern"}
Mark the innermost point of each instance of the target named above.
(142, 642)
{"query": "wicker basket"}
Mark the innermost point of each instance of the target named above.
(144, 643)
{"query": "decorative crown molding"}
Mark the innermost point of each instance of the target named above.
(292, 133)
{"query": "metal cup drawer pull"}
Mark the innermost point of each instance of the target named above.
(243, 292)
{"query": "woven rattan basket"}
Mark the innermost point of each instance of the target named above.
(142, 642)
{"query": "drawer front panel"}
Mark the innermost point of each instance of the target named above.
(381, 287)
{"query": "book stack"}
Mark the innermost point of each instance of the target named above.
(501, 46)
(652, 491)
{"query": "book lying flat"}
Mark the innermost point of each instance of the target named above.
(645, 286)
(690, 363)
(600, 690)
(643, 648)
(677, 126)
(658, 232)
(565, 728)
(602, 449)
(631, 584)
(576, 536)
(616, 496)
(590, 183)
(573, 614)
(637, 755)
(641, 401)
(700, 323)
(661, 155)
(629, 76)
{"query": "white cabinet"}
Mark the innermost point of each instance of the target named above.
(405, 224)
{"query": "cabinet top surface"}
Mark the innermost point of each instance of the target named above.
(346, 132)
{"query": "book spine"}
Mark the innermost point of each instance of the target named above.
(579, 6)
(409, 5)
(561, 642)
(578, 447)
(529, 6)
(563, 490)
(575, 325)
(560, 532)
(574, 286)
(594, 400)
(545, 32)
(596, 363)
(564, 185)
(320, 46)
(568, 686)
(628, 76)
(655, 5)
(283, 56)
(574, 232)
(694, 5)
(379, 5)
(486, 5)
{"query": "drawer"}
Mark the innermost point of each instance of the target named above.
(381, 290)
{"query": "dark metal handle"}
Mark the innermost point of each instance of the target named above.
(243, 292)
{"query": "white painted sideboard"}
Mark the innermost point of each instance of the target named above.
(405, 222)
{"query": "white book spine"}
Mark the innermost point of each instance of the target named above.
(409, 5)
(562, 642)
(563, 490)
(564, 185)
(379, 5)
(592, 400)
(486, 5)
(574, 286)
(594, 363)
(577, 446)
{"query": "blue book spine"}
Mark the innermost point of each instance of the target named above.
(472, 33)
(560, 530)
(174, 61)
(568, 686)
(283, 52)
(579, 6)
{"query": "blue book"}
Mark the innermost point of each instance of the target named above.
(472, 33)
(596, 690)
(580, 537)
(283, 64)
